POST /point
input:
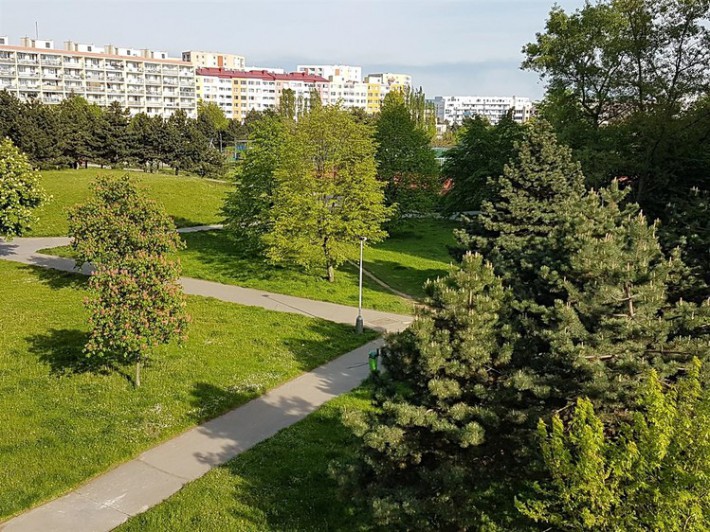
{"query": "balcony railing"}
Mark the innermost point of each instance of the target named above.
(51, 61)
(28, 74)
(27, 61)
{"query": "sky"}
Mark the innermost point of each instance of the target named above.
(450, 47)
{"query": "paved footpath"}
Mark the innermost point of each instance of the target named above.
(131, 488)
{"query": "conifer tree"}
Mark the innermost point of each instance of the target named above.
(651, 474)
(438, 413)
(528, 203)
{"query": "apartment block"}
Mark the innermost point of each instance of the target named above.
(239, 91)
(333, 73)
(454, 109)
(214, 60)
(141, 80)
(379, 85)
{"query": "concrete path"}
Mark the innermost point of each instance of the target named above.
(133, 487)
(130, 489)
(24, 250)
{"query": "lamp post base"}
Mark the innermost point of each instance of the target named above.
(359, 326)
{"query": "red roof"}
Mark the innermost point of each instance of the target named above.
(260, 74)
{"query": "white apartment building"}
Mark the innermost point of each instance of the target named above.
(141, 80)
(333, 73)
(238, 92)
(348, 94)
(454, 109)
(214, 60)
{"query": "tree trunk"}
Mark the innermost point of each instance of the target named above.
(137, 382)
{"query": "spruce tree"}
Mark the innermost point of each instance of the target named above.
(528, 202)
(437, 414)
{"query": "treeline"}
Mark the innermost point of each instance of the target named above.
(75, 133)
(557, 379)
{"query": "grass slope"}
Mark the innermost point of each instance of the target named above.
(60, 425)
(189, 200)
(416, 250)
(280, 484)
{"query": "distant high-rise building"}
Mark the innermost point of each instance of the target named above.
(333, 73)
(454, 109)
(379, 85)
(141, 80)
(214, 60)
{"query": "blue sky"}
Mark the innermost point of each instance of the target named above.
(449, 46)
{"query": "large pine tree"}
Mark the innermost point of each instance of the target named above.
(437, 413)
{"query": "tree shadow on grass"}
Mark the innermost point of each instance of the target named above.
(57, 279)
(181, 221)
(234, 263)
(62, 350)
(287, 480)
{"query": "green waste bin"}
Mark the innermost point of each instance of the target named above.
(373, 360)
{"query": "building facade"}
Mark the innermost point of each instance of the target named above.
(337, 73)
(454, 109)
(239, 91)
(140, 80)
(214, 60)
(380, 85)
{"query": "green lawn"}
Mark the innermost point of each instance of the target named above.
(415, 252)
(189, 200)
(61, 424)
(280, 484)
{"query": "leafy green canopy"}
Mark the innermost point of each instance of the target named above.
(327, 196)
(405, 160)
(118, 222)
(20, 191)
(246, 208)
(480, 155)
(653, 475)
(135, 301)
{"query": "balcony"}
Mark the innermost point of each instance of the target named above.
(28, 73)
(72, 64)
(55, 61)
(51, 75)
(51, 99)
(170, 81)
(169, 71)
(114, 79)
(27, 61)
(110, 65)
(7, 72)
(6, 57)
(135, 103)
(153, 81)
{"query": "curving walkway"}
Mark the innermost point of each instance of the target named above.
(130, 489)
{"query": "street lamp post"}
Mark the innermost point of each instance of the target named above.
(359, 326)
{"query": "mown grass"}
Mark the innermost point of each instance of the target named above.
(280, 484)
(416, 251)
(189, 200)
(61, 424)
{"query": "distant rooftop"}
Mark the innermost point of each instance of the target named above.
(260, 74)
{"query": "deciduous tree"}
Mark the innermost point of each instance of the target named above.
(20, 191)
(327, 196)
